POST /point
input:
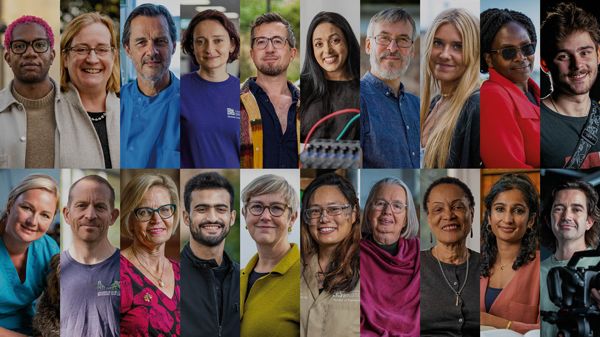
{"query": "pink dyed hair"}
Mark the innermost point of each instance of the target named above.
(27, 19)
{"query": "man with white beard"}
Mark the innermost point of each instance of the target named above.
(210, 279)
(389, 115)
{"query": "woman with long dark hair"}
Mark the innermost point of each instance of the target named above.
(509, 256)
(330, 235)
(330, 79)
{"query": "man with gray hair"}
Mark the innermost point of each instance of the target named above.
(150, 104)
(389, 115)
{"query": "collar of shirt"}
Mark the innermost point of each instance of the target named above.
(206, 264)
(258, 92)
(168, 91)
(381, 86)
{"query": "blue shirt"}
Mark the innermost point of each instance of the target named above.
(210, 122)
(16, 298)
(280, 150)
(150, 127)
(389, 125)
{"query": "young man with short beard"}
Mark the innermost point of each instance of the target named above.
(570, 54)
(210, 279)
(268, 102)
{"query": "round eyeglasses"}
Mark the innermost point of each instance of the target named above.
(39, 46)
(395, 206)
(146, 213)
(83, 50)
(276, 209)
(386, 40)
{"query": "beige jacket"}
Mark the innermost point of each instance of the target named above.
(76, 143)
(79, 143)
(325, 314)
(13, 129)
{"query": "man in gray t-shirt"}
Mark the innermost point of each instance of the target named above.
(89, 281)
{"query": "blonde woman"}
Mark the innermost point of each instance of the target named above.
(25, 251)
(149, 280)
(450, 123)
(89, 127)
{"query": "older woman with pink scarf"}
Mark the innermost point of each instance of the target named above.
(389, 262)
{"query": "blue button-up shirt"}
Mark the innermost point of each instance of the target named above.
(280, 149)
(150, 127)
(389, 125)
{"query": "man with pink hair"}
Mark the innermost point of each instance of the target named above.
(28, 134)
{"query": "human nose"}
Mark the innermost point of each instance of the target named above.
(91, 58)
(445, 52)
(90, 213)
(211, 215)
(387, 208)
(508, 217)
(576, 62)
(393, 46)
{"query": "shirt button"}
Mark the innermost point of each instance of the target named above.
(20, 107)
(460, 320)
(407, 127)
(23, 138)
(413, 153)
(131, 148)
(455, 283)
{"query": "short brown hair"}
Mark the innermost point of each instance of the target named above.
(187, 40)
(269, 18)
(563, 20)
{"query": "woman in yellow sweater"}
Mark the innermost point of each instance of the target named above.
(270, 282)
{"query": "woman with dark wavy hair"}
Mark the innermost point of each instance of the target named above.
(509, 255)
(330, 235)
(330, 79)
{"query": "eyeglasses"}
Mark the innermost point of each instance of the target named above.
(145, 213)
(262, 42)
(509, 53)
(39, 46)
(386, 40)
(318, 212)
(396, 207)
(83, 50)
(276, 209)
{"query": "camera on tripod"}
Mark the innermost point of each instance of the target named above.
(569, 288)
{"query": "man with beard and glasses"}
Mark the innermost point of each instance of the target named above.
(28, 136)
(570, 223)
(90, 293)
(268, 102)
(210, 279)
(389, 115)
(571, 55)
(150, 104)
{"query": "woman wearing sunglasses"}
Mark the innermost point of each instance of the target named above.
(510, 99)
(330, 234)
(269, 288)
(149, 280)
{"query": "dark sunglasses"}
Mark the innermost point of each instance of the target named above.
(509, 53)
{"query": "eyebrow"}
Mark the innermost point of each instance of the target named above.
(204, 36)
(576, 50)
(383, 32)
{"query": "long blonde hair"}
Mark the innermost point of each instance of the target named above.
(31, 182)
(438, 144)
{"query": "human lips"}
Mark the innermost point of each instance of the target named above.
(566, 225)
(385, 221)
(330, 59)
(445, 66)
(92, 70)
(156, 230)
(507, 229)
(451, 227)
(30, 65)
(326, 229)
(577, 77)
(29, 230)
(522, 68)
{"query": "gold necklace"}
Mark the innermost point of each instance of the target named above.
(162, 269)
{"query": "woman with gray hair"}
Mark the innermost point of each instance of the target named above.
(269, 284)
(149, 280)
(389, 262)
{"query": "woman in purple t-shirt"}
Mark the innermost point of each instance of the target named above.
(210, 97)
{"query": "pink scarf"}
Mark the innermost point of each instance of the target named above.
(389, 290)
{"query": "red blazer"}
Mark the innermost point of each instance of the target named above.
(519, 301)
(510, 124)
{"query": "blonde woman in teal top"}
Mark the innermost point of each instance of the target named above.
(270, 283)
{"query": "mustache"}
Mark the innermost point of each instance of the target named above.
(152, 58)
(206, 222)
(389, 53)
